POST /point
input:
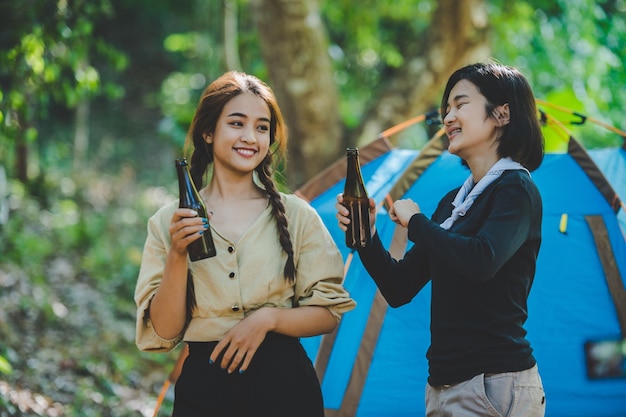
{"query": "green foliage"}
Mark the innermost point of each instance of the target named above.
(5, 366)
(45, 61)
(573, 53)
(71, 315)
(556, 137)
(203, 55)
(369, 43)
(72, 246)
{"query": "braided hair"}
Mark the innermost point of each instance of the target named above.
(278, 210)
(210, 106)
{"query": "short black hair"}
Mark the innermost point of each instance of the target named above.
(521, 138)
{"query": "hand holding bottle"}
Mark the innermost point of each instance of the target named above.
(343, 214)
(356, 201)
(190, 200)
(186, 227)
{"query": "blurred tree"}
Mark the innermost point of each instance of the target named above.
(294, 44)
(415, 61)
(342, 72)
(410, 72)
(574, 54)
(45, 52)
(113, 84)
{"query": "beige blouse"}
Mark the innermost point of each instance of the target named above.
(246, 275)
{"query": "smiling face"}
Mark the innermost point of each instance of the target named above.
(241, 138)
(471, 131)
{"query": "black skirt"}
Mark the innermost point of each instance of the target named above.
(280, 381)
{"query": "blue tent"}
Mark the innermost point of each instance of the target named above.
(611, 164)
(375, 365)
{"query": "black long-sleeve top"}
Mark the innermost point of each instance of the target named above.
(481, 270)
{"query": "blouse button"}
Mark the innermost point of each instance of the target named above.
(231, 275)
(235, 307)
(231, 249)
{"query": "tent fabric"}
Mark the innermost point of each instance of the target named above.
(336, 171)
(595, 174)
(611, 162)
(609, 266)
(375, 365)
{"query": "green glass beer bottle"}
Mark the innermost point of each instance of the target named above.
(355, 199)
(203, 247)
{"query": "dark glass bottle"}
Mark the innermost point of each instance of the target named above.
(203, 247)
(355, 199)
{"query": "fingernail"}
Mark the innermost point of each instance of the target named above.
(210, 361)
(200, 232)
(205, 220)
(241, 371)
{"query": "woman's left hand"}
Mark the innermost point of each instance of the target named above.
(402, 211)
(242, 341)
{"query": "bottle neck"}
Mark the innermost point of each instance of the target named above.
(354, 181)
(186, 188)
(353, 168)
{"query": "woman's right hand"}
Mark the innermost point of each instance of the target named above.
(168, 306)
(185, 227)
(343, 213)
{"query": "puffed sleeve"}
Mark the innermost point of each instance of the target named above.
(319, 264)
(150, 274)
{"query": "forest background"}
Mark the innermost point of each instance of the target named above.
(95, 100)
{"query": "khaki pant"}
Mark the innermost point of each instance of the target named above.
(509, 394)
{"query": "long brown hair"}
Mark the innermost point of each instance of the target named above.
(212, 102)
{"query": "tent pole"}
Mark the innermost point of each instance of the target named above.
(583, 118)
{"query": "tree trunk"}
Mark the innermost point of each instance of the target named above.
(294, 47)
(231, 50)
(21, 158)
(294, 43)
(81, 135)
(21, 144)
(458, 35)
